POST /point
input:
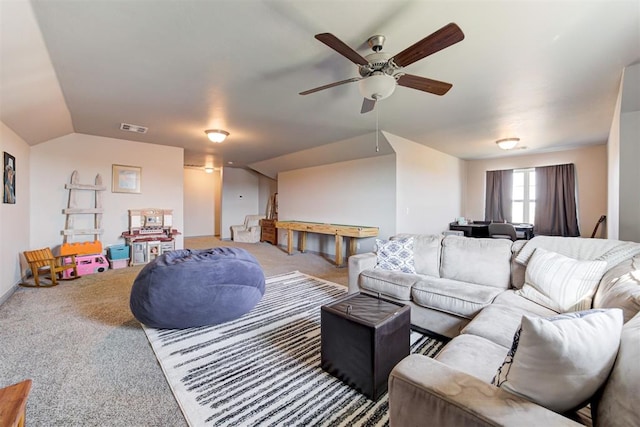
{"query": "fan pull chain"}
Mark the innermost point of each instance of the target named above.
(377, 132)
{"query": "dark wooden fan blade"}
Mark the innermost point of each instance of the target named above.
(317, 89)
(367, 105)
(339, 46)
(422, 83)
(444, 37)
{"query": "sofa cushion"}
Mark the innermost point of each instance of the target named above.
(482, 261)
(473, 355)
(560, 362)
(394, 284)
(511, 298)
(620, 288)
(499, 323)
(618, 405)
(573, 247)
(395, 255)
(561, 283)
(452, 296)
(622, 252)
(426, 252)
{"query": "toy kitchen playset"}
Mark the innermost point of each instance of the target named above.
(150, 234)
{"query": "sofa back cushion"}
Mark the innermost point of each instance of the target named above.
(483, 261)
(618, 405)
(426, 252)
(620, 288)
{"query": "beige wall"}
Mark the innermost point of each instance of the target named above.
(428, 187)
(199, 202)
(14, 218)
(240, 197)
(591, 169)
(53, 162)
(355, 192)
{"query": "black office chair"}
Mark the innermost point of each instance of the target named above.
(502, 230)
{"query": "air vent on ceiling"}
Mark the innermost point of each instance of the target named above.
(133, 128)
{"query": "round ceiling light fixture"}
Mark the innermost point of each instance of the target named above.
(508, 143)
(377, 86)
(216, 135)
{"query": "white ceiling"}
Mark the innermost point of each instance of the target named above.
(544, 71)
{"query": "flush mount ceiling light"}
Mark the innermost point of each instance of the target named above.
(208, 170)
(216, 135)
(508, 143)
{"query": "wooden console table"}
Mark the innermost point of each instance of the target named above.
(339, 231)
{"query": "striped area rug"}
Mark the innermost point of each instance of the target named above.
(264, 368)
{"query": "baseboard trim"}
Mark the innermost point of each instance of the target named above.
(7, 294)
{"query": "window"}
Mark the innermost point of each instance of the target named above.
(524, 196)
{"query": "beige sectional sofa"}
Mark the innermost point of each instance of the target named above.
(471, 291)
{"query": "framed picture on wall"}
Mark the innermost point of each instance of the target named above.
(126, 179)
(9, 179)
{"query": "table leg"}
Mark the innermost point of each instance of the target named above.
(289, 241)
(352, 246)
(339, 241)
(302, 241)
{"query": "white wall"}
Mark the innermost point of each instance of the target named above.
(591, 170)
(428, 187)
(266, 188)
(630, 155)
(53, 162)
(630, 176)
(14, 218)
(239, 198)
(199, 202)
(356, 192)
(613, 172)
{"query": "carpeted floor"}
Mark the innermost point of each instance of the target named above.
(89, 359)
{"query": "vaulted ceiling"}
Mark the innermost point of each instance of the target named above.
(547, 72)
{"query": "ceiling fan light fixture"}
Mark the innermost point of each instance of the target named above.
(216, 135)
(377, 86)
(508, 143)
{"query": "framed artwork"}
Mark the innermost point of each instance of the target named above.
(126, 179)
(9, 179)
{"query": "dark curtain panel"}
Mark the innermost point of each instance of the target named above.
(556, 209)
(497, 207)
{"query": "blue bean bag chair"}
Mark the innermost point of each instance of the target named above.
(189, 288)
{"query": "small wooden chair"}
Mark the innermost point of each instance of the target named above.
(13, 404)
(42, 262)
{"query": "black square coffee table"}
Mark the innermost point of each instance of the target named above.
(363, 338)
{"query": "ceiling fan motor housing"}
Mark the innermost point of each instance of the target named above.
(377, 62)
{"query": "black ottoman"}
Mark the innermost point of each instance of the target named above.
(190, 288)
(363, 338)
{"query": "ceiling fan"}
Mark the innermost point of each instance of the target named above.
(381, 72)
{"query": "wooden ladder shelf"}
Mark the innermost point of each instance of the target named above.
(73, 209)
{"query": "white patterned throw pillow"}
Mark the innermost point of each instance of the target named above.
(396, 255)
(561, 283)
(560, 362)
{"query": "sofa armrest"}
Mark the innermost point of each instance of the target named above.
(357, 264)
(421, 388)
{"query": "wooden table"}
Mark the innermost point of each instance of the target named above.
(338, 230)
